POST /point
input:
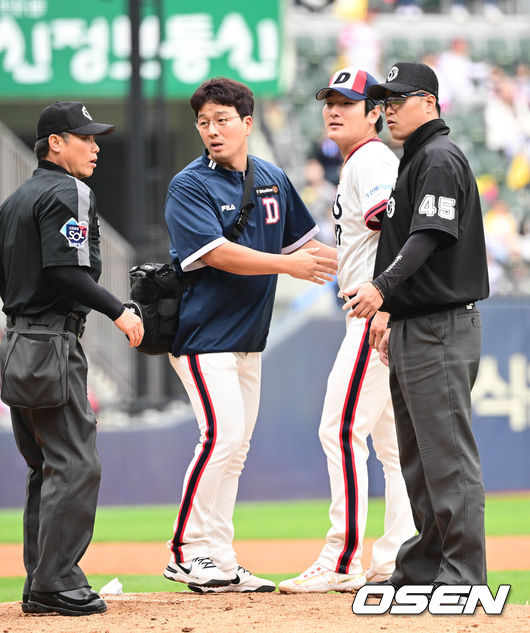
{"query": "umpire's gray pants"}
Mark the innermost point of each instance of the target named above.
(434, 361)
(59, 446)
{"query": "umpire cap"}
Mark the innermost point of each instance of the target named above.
(407, 77)
(351, 83)
(69, 116)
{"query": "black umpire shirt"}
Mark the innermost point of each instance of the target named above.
(50, 220)
(435, 190)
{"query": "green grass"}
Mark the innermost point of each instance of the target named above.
(11, 588)
(505, 515)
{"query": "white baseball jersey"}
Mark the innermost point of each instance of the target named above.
(357, 402)
(366, 181)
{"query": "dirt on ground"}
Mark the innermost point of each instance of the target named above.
(265, 557)
(189, 612)
(260, 613)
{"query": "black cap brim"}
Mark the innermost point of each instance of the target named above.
(93, 129)
(379, 91)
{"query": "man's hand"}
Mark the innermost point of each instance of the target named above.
(306, 264)
(378, 328)
(382, 348)
(132, 326)
(364, 301)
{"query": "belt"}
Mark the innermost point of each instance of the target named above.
(73, 322)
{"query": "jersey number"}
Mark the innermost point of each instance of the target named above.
(336, 210)
(445, 209)
(272, 209)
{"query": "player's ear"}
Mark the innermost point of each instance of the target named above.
(375, 113)
(55, 141)
(430, 101)
(248, 121)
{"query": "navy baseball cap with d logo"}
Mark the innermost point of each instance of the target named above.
(351, 83)
(407, 77)
(69, 116)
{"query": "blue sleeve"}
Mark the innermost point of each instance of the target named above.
(299, 225)
(193, 225)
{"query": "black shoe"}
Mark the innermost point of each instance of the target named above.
(82, 601)
(25, 606)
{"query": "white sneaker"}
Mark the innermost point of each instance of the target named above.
(244, 582)
(201, 571)
(374, 576)
(318, 579)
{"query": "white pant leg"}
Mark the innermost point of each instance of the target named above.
(222, 535)
(399, 524)
(357, 393)
(213, 386)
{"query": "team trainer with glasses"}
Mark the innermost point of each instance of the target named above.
(235, 223)
(49, 267)
(430, 270)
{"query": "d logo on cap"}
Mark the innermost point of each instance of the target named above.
(342, 78)
(85, 112)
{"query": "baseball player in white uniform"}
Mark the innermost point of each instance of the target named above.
(357, 401)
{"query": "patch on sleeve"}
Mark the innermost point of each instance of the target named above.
(75, 232)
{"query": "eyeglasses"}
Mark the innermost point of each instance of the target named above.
(204, 124)
(396, 101)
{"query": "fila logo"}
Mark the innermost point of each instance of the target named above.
(415, 599)
(227, 207)
(272, 210)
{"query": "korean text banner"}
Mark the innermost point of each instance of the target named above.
(82, 49)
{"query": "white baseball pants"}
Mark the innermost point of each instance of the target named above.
(357, 404)
(224, 390)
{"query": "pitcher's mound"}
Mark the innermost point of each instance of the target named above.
(263, 613)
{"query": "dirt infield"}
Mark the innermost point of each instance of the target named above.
(261, 613)
(265, 557)
(188, 612)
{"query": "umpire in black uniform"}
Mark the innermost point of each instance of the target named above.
(49, 267)
(430, 269)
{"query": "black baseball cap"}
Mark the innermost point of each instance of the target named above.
(69, 116)
(350, 82)
(407, 77)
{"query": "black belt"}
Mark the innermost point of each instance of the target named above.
(73, 322)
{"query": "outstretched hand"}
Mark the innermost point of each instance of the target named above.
(306, 264)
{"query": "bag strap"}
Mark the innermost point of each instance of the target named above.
(246, 204)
